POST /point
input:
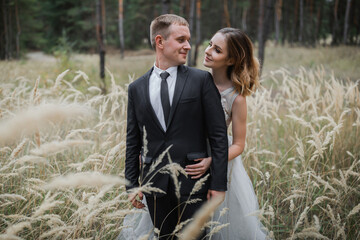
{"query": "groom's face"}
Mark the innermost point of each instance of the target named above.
(177, 46)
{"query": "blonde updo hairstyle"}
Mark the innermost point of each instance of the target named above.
(244, 73)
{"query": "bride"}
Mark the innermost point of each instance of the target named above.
(236, 74)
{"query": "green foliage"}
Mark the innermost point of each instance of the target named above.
(63, 50)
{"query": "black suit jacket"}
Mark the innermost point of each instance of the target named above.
(196, 114)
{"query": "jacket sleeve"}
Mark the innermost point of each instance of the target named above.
(133, 144)
(217, 134)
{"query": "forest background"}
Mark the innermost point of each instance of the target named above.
(64, 26)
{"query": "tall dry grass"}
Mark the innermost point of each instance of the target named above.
(62, 177)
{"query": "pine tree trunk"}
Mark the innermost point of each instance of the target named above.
(198, 30)
(265, 13)
(10, 31)
(301, 27)
(243, 19)
(18, 30)
(6, 34)
(261, 33)
(103, 20)
(191, 27)
(234, 15)
(226, 13)
(346, 24)
(285, 24)
(335, 24)
(319, 20)
(267, 20)
(121, 28)
(165, 6)
(296, 10)
(181, 6)
(278, 6)
(100, 39)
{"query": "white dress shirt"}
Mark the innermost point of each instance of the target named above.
(154, 90)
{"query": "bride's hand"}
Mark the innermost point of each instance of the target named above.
(198, 169)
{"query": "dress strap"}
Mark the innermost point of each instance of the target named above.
(232, 98)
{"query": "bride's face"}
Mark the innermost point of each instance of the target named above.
(216, 54)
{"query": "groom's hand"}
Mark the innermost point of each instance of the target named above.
(135, 202)
(213, 194)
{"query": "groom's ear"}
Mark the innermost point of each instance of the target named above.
(159, 41)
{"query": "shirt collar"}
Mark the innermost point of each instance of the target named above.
(171, 70)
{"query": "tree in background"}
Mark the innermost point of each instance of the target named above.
(191, 27)
(27, 25)
(121, 28)
(346, 25)
(198, 31)
(100, 32)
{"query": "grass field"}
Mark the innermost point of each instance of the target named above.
(62, 145)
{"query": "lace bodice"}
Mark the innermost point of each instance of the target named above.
(227, 99)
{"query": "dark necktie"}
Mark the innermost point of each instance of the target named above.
(164, 94)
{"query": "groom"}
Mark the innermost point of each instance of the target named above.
(179, 108)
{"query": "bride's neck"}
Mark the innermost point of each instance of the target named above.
(220, 78)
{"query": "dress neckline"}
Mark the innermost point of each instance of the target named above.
(226, 91)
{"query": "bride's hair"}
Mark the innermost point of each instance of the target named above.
(244, 73)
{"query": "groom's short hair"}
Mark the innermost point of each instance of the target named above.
(161, 24)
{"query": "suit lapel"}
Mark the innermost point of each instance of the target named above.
(181, 78)
(149, 107)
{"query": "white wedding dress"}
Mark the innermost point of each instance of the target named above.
(237, 210)
(240, 205)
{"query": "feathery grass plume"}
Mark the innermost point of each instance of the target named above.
(326, 184)
(30, 120)
(217, 229)
(12, 196)
(121, 213)
(299, 120)
(192, 230)
(198, 185)
(31, 159)
(223, 211)
(59, 78)
(272, 164)
(18, 148)
(55, 147)
(81, 74)
(35, 96)
(48, 203)
(146, 188)
(317, 222)
(354, 211)
(292, 206)
(301, 219)
(320, 199)
(75, 132)
(14, 229)
(57, 232)
(309, 233)
(84, 179)
(331, 214)
(95, 89)
(158, 160)
(5, 149)
(192, 201)
(180, 226)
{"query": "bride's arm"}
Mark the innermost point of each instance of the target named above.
(239, 114)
